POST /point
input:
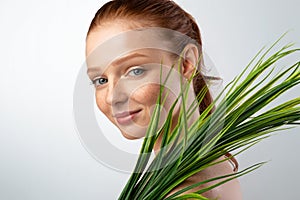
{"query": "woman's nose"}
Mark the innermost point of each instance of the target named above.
(116, 94)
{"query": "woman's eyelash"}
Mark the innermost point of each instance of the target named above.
(93, 81)
(136, 71)
(96, 81)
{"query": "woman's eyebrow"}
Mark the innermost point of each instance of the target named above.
(127, 57)
(90, 70)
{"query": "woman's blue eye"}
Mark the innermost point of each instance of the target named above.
(100, 81)
(136, 72)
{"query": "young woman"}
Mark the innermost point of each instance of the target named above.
(129, 44)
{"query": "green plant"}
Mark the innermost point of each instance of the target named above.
(186, 151)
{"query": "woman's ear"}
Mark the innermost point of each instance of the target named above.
(189, 60)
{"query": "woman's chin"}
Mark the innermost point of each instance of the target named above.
(132, 136)
(133, 131)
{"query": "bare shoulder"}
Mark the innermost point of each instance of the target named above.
(228, 191)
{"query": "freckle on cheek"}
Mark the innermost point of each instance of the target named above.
(147, 93)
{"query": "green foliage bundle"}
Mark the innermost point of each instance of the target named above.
(240, 120)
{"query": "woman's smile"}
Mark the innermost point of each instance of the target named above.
(124, 118)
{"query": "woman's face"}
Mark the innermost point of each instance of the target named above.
(126, 76)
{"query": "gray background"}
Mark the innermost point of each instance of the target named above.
(42, 50)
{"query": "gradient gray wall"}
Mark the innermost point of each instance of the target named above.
(42, 50)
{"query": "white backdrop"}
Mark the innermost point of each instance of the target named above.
(42, 50)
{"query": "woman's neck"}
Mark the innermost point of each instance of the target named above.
(193, 118)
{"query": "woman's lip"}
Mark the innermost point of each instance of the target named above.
(124, 118)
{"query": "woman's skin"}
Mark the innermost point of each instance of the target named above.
(127, 88)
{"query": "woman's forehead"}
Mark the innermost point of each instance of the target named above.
(102, 48)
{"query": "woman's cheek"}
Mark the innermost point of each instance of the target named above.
(145, 98)
(146, 95)
(103, 107)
